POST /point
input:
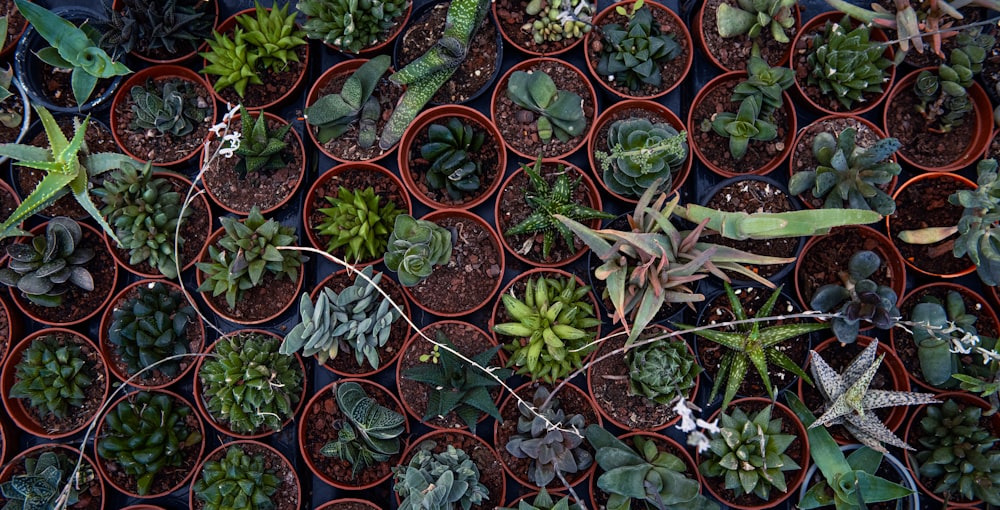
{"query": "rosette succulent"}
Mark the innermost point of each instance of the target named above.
(150, 327)
(358, 222)
(53, 375)
(50, 265)
(368, 434)
(845, 63)
(552, 451)
(448, 153)
(754, 17)
(351, 25)
(260, 148)
(238, 481)
(662, 371)
(642, 153)
(171, 106)
(415, 247)
(42, 483)
(857, 298)
(632, 54)
(439, 481)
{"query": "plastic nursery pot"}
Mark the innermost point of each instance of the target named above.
(510, 16)
(841, 243)
(91, 492)
(177, 150)
(828, 104)
(524, 141)
(511, 208)
(281, 293)
(737, 49)
(116, 475)
(194, 334)
(798, 451)
(480, 451)
(981, 127)
(261, 97)
(839, 356)
(423, 31)
(964, 399)
(492, 157)
(195, 236)
(599, 498)
(987, 324)
(470, 233)
(631, 109)
(316, 429)
(906, 478)
(802, 158)
(469, 340)
(199, 390)
(608, 384)
(717, 157)
(162, 56)
(349, 504)
(928, 194)
(77, 306)
(288, 495)
(355, 176)
(77, 419)
(267, 189)
(33, 73)
(571, 399)
(673, 72)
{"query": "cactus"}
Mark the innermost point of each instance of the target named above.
(358, 222)
(560, 112)
(553, 451)
(439, 481)
(845, 63)
(857, 298)
(170, 106)
(751, 17)
(631, 55)
(351, 26)
(415, 247)
(43, 481)
(558, 20)
(662, 371)
(370, 433)
(641, 153)
(50, 265)
(238, 481)
(260, 149)
(334, 114)
(447, 152)
(150, 327)
(54, 375)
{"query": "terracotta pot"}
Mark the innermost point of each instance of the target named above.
(310, 441)
(503, 218)
(8, 49)
(802, 43)
(518, 40)
(199, 390)
(15, 200)
(289, 483)
(311, 217)
(911, 502)
(409, 153)
(379, 47)
(893, 366)
(216, 177)
(482, 453)
(19, 408)
(143, 507)
(654, 112)
(196, 338)
(177, 58)
(891, 260)
(792, 478)
(18, 92)
(437, 216)
(982, 122)
(698, 30)
(104, 470)
(346, 67)
(555, 494)
(94, 489)
(991, 292)
(508, 427)
(540, 64)
(349, 504)
(55, 316)
(14, 332)
(669, 445)
(934, 218)
(964, 399)
(710, 160)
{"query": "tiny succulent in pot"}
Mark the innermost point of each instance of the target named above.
(351, 25)
(260, 148)
(944, 101)
(857, 298)
(170, 106)
(938, 327)
(439, 481)
(759, 96)
(560, 112)
(415, 247)
(368, 434)
(358, 222)
(335, 114)
(150, 327)
(641, 153)
(49, 481)
(238, 481)
(447, 152)
(632, 54)
(752, 17)
(54, 376)
(554, 450)
(147, 26)
(662, 371)
(47, 267)
(544, 501)
(558, 20)
(846, 63)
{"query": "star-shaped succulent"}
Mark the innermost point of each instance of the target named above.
(849, 399)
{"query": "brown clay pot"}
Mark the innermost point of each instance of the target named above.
(654, 112)
(349, 504)
(408, 152)
(159, 73)
(15, 328)
(482, 454)
(690, 468)
(518, 40)
(91, 496)
(6, 189)
(698, 30)
(143, 507)
(176, 58)
(289, 483)
(8, 49)
(377, 48)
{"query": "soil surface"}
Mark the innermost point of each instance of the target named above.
(15, 23)
(923, 204)
(91, 494)
(288, 494)
(802, 154)
(153, 145)
(57, 86)
(275, 84)
(8, 204)
(923, 143)
(734, 52)
(5, 332)
(11, 105)
(487, 158)
(346, 146)
(829, 256)
(511, 16)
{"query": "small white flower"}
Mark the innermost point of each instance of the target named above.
(688, 422)
(699, 441)
(230, 143)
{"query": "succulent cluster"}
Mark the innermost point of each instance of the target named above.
(415, 247)
(359, 222)
(555, 450)
(752, 17)
(260, 148)
(42, 483)
(557, 20)
(369, 432)
(8, 116)
(662, 371)
(544, 501)
(53, 375)
(335, 114)
(150, 327)
(857, 298)
(846, 63)
(439, 481)
(349, 25)
(448, 153)
(357, 319)
(641, 153)
(631, 54)
(849, 176)
(238, 481)
(50, 265)
(146, 26)
(248, 385)
(145, 434)
(171, 106)
(944, 100)
(938, 326)
(559, 112)
(759, 96)
(552, 327)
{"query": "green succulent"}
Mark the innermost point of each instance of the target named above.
(238, 481)
(662, 371)
(857, 298)
(150, 327)
(560, 112)
(53, 375)
(641, 153)
(170, 106)
(248, 385)
(244, 252)
(750, 453)
(369, 433)
(358, 320)
(260, 148)
(765, 83)
(50, 265)
(439, 481)
(631, 55)
(145, 211)
(43, 481)
(751, 17)
(351, 25)
(146, 26)
(358, 221)
(415, 247)
(457, 387)
(8, 117)
(933, 336)
(849, 176)
(759, 96)
(233, 60)
(845, 63)
(552, 451)
(448, 153)
(744, 126)
(944, 100)
(548, 200)
(145, 434)
(553, 327)
(335, 114)
(543, 501)
(558, 20)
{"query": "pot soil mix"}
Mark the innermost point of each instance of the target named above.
(927, 148)
(153, 145)
(734, 52)
(487, 157)
(828, 257)
(56, 85)
(346, 145)
(923, 204)
(287, 495)
(8, 204)
(15, 23)
(804, 160)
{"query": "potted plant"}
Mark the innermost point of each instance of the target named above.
(727, 30)
(15, 115)
(11, 327)
(354, 28)
(542, 500)
(245, 475)
(16, 25)
(530, 26)
(48, 475)
(157, 32)
(349, 504)
(446, 469)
